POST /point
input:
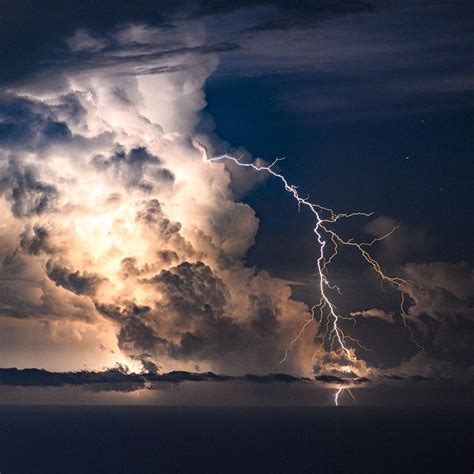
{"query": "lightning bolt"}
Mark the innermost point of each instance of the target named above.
(324, 218)
(90, 97)
(325, 236)
(336, 396)
(339, 391)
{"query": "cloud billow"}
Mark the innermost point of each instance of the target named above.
(112, 208)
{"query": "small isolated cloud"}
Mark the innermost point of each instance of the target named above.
(403, 243)
(84, 40)
(374, 313)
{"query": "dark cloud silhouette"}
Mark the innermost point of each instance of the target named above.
(121, 380)
(51, 24)
(191, 289)
(265, 315)
(334, 379)
(168, 257)
(35, 241)
(283, 378)
(152, 215)
(29, 195)
(40, 377)
(117, 312)
(193, 297)
(414, 377)
(149, 366)
(75, 281)
(136, 335)
(26, 124)
(131, 167)
(307, 13)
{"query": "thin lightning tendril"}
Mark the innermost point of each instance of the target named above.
(324, 217)
(99, 115)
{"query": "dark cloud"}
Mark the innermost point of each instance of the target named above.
(307, 13)
(174, 246)
(253, 46)
(191, 289)
(75, 281)
(120, 380)
(116, 379)
(265, 315)
(136, 335)
(414, 377)
(342, 66)
(334, 379)
(130, 267)
(168, 257)
(442, 306)
(135, 157)
(131, 167)
(401, 378)
(29, 196)
(31, 125)
(56, 20)
(212, 339)
(189, 320)
(36, 241)
(149, 366)
(33, 241)
(118, 313)
(454, 339)
(283, 378)
(152, 215)
(394, 377)
(194, 298)
(163, 175)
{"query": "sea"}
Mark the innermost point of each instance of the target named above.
(154, 439)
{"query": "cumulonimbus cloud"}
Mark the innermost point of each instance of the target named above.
(109, 200)
(112, 219)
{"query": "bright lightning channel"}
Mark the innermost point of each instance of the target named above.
(324, 217)
(336, 396)
(339, 391)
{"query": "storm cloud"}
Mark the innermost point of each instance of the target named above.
(116, 230)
